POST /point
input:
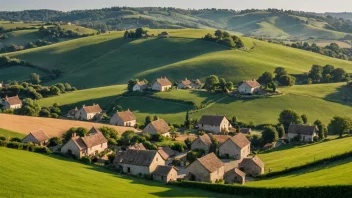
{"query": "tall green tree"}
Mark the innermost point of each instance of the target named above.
(211, 83)
(222, 84)
(132, 83)
(316, 73)
(266, 78)
(304, 118)
(30, 107)
(218, 34)
(270, 135)
(280, 130)
(187, 121)
(287, 117)
(35, 78)
(340, 125)
(148, 120)
(322, 129)
(279, 71)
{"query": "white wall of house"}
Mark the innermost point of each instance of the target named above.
(245, 88)
(224, 125)
(304, 138)
(157, 87)
(31, 138)
(6, 105)
(229, 148)
(136, 87)
(97, 149)
(83, 115)
(116, 120)
(70, 145)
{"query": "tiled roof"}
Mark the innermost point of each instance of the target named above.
(136, 157)
(220, 138)
(139, 146)
(211, 162)
(163, 81)
(186, 82)
(240, 140)
(166, 152)
(302, 129)
(94, 140)
(40, 135)
(254, 159)
(163, 170)
(92, 109)
(161, 126)
(15, 100)
(235, 171)
(126, 116)
(211, 120)
(79, 142)
(252, 83)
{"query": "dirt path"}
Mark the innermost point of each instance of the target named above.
(53, 127)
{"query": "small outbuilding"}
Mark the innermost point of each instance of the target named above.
(157, 126)
(249, 87)
(140, 86)
(235, 176)
(38, 137)
(252, 166)
(165, 173)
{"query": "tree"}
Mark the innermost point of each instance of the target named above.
(272, 85)
(340, 125)
(35, 78)
(211, 83)
(187, 121)
(126, 138)
(229, 86)
(316, 73)
(227, 41)
(280, 130)
(148, 120)
(287, 80)
(139, 32)
(131, 83)
(266, 78)
(339, 74)
(55, 141)
(270, 135)
(327, 69)
(218, 34)
(68, 87)
(321, 128)
(222, 84)
(54, 90)
(279, 71)
(287, 117)
(80, 131)
(234, 120)
(109, 133)
(304, 118)
(155, 118)
(61, 87)
(30, 107)
(188, 143)
(125, 36)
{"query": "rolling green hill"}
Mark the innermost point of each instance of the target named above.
(7, 134)
(109, 59)
(53, 176)
(334, 173)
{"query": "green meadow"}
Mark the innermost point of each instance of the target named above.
(287, 156)
(10, 134)
(54, 176)
(108, 59)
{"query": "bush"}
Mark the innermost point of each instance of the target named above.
(315, 139)
(2, 138)
(147, 176)
(13, 145)
(41, 149)
(15, 139)
(3, 143)
(55, 141)
(86, 160)
(178, 146)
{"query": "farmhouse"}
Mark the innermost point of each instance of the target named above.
(205, 169)
(164, 35)
(88, 112)
(139, 146)
(38, 137)
(204, 142)
(196, 84)
(166, 152)
(138, 162)
(184, 84)
(236, 147)
(140, 86)
(307, 133)
(72, 113)
(161, 84)
(89, 145)
(249, 87)
(157, 126)
(215, 124)
(165, 173)
(235, 175)
(252, 166)
(12, 103)
(125, 118)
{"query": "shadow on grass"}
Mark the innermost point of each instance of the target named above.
(343, 95)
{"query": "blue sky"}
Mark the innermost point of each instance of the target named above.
(65, 5)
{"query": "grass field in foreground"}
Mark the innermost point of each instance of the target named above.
(26, 174)
(7, 133)
(334, 173)
(287, 157)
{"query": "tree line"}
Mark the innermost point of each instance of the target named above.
(326, 74)
(224, 38)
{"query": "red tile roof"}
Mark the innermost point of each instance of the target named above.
(254, 159)
(166, 152)
(40, 135)
(252, 83)
(211, 162)
(92, 109)
(126, 115)
(161, 126)
(94, 140)
(240, 140)
(15, 100)
(163, 81)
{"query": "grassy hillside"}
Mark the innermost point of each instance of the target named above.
(334, 173)
(18, 73)
(20, 37)
(109, 59)
(7, 133)
(60, 177)
(287, 157)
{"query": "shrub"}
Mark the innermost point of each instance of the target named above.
(41, 149)
(15, 139)
(55, 141)
(147, 176)
(86, 160)
(2, 138)
(14, 145)
(178, 146)
(3, 143)
(316, 139)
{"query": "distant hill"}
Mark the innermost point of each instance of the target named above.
(271, 23)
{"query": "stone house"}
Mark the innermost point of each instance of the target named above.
(249, 87)
(38, 137)
(164, 35)
(88, 112)
(252, 166)
(214, 124)
(205, 169)
(71, 114)
(184, 84)
(138, 162)
(89, 145)
(161, 84)
(236, 147)
(204, 142)
(196, 84)
(166, 153)
(246, 130)
(157, 126)
(12, 103)
(140, 86)
(306, 132)
(235, 175)
(125, 118)
(165, 173)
